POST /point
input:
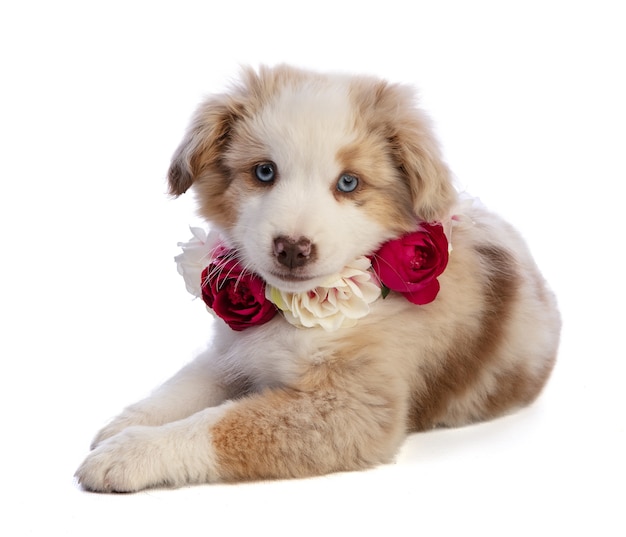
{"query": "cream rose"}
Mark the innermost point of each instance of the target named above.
(339, 302)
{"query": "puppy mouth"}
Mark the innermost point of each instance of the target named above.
(292, 277)
(293, 282)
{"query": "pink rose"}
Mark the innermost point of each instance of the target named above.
(411, 264)
(236, 296)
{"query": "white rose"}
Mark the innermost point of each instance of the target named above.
(196, 256)
(340, 301)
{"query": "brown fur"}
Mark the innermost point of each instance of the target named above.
(389, 112)
(468, 356)
(388, 198)
(342, 414)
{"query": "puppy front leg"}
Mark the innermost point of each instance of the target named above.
(294, 433)
(279, 433)
(193, 388)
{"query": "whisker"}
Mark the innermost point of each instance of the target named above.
(382, 261)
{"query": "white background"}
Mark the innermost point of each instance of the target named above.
(528, 101)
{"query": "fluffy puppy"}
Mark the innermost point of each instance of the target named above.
(302, 173)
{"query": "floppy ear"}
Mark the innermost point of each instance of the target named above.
(421, 162)
(203, 143)
(212, 124)
(415, 150)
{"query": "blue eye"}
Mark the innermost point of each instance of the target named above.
(265, 172)
(347, 183)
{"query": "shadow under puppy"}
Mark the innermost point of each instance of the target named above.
(358, 297)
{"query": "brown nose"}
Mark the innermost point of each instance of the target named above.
(293, 253)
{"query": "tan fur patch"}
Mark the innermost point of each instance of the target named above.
(199, 160)
(333, 420)
(388, 111)
(384, 193)
(470, 352)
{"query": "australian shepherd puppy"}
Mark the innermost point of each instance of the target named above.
(359, 297)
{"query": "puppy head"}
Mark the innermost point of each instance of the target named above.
(305, 172)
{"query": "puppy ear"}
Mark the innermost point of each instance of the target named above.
(213, 123)
(414, 149)
(420, 161)
(203, 143)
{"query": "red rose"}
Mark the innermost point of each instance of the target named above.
(411, 264)
(238, 297)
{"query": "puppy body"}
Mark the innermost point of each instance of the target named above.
(278, 401)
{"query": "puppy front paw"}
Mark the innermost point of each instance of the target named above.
(126, 462)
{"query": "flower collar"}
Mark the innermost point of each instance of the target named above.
(408, 265)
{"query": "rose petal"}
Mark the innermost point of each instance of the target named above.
(425, 295)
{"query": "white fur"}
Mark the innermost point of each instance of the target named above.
(302, 131)
(144, 456)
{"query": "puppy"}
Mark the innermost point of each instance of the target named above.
(359, 297)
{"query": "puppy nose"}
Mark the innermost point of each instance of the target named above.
(293, 253)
